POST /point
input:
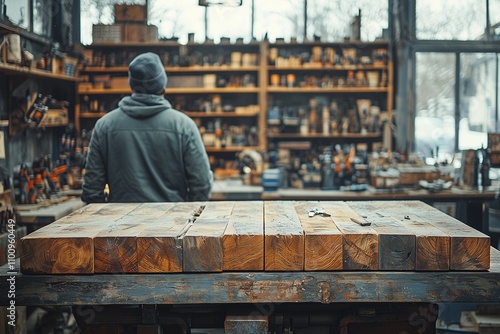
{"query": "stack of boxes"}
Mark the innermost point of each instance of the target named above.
(130, 26)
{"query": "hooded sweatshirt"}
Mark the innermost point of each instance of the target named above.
(146, 151)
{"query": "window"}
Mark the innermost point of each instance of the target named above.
(435, 106)
(477, 99)
(450, 19)
(275, 19)
(18, 12)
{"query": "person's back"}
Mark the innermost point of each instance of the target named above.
(145, 150)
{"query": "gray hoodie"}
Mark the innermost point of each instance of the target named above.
(146, 152)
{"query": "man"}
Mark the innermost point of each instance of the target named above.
(145, 150)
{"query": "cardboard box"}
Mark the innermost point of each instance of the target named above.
(130, 13)
(139, 33)
(106, 33)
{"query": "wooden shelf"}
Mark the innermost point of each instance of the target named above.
(374, 44)
(327, 90)
(230, 149)
(238, 90)
(92, 114)
(36, 73)
(192, 69)
(328, 68)
(134, 45)
(220, 114)
(172, 44)
(367, 136)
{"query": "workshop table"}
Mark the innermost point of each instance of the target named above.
(243, 288)
(258, 287)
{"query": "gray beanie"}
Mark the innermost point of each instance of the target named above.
(146, 74)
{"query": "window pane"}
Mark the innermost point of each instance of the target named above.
(477, 99)
(451, 19)
(331, 19)
(279, 19)
(495, 18)
(98, 11)
(178, 19)
(276, 19)
(435, 104)
(18, 12)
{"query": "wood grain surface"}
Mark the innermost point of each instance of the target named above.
(396, 243)
(203, 242)
(432, 245)
(284, 237)
(254, 236)
(323, 240)
(360, 243)
(244, 238)
(469, 248)
(159, 244)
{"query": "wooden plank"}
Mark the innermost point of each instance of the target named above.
(50, 213)
(54, 250)
(284, 237)
(115, 246)
(323, 240)
(469, 248)
(159, 245)
(396, 243)
(432, 245)
(243, 239)
(360, 243)
(63, 247)
(203, 243)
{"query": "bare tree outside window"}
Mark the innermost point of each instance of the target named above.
(450, 19)
(275, 19)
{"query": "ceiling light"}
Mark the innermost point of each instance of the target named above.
(229, 3)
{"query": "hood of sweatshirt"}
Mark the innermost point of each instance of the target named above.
(143, 105)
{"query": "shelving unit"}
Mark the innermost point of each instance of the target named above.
(324, 73)
(194, 62)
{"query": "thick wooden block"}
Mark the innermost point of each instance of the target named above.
(396, 243)
(469, 248)
(203, 242)
(323, 240)
(56, 250)
(360, 243)
(115, 246)
(65, 246)
(284, 237)
(244, 237)
(432, 245)
(159, 245)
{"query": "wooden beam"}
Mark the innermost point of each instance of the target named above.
(284, 237)
(323, 240)
(360, 243)
(432, 245)
(244, 237)
(469, 248)
(396, 243)
(203, 243)
(159, 245)
(65, 246)
(115, 246)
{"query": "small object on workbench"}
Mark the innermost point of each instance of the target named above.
(361, 222)
(320, 212)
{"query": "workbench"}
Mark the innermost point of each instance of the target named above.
(36, 216)
(265, 292)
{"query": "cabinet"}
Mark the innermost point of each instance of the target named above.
(245, 96)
